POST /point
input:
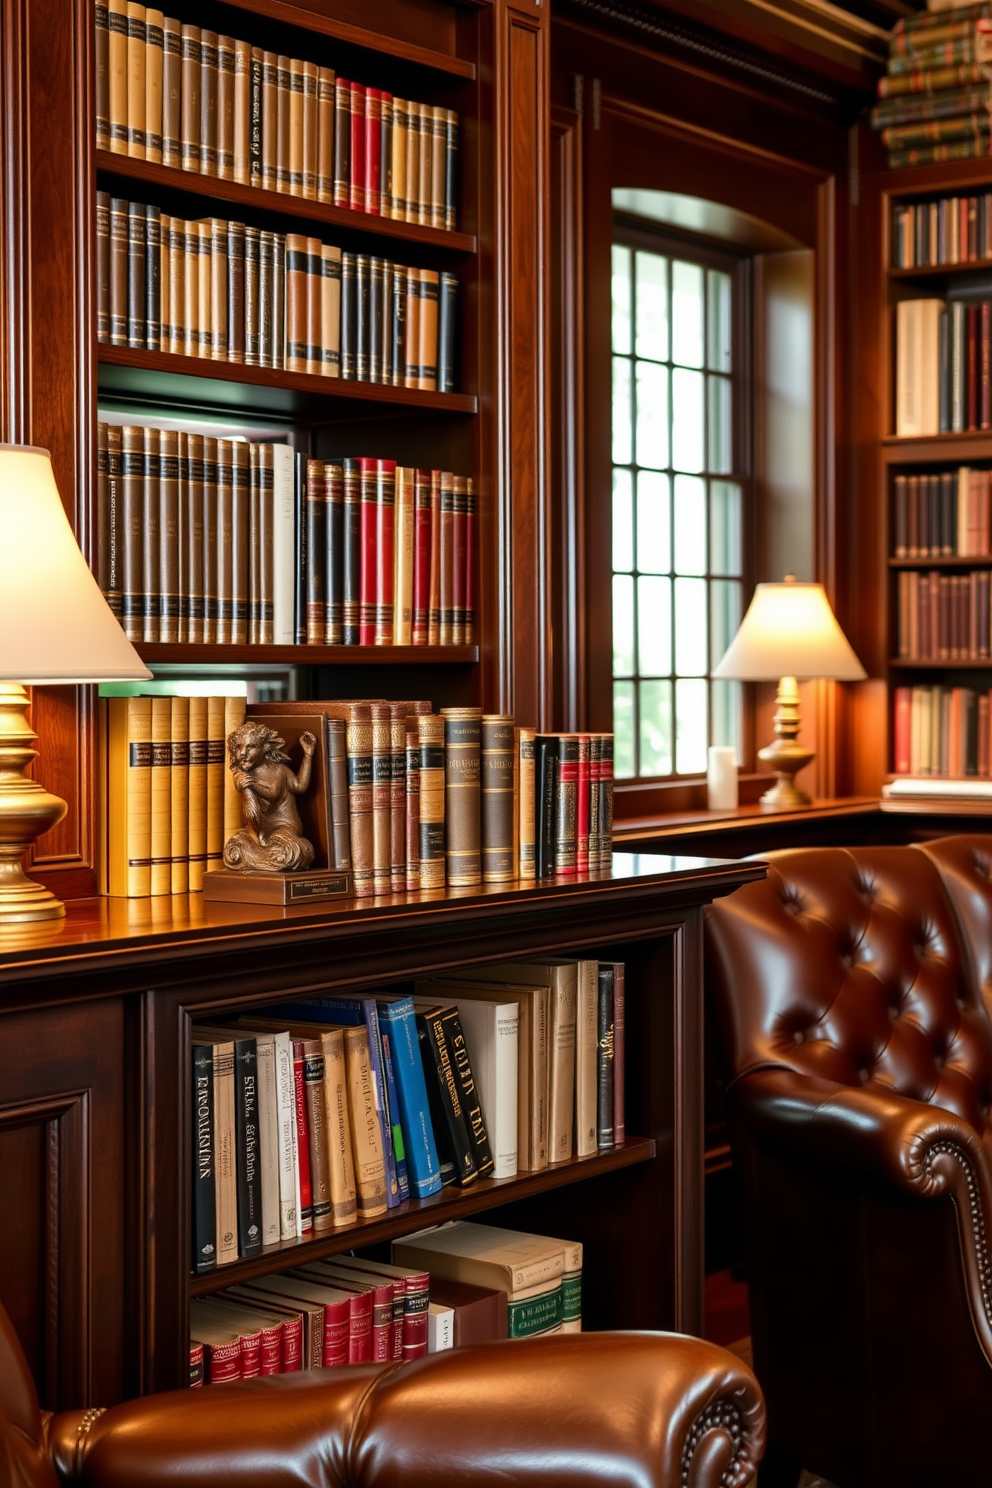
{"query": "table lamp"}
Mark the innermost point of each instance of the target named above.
(789, 634)
(55, 626)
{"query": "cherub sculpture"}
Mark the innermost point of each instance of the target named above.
(272, 837)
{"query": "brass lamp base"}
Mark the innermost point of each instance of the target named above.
(27, 810)
(785, 756)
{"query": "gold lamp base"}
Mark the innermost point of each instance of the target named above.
(785, 756)
(27, 810)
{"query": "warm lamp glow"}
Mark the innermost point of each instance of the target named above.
(55, 626)
(789, 633)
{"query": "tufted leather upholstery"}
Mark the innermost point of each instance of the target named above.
(632, 1410)
(847, 994)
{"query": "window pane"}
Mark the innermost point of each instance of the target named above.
(718, 329)
(622, 445)
(725, 616)
(726, 556)
(687, 420)
(624, 763)
(621, 299)
(654, 627)
(687, 314)
(690, 525)
(623, 625)
(720, 429)
(727, 704)
(652, 307)
(652, 416)
(654, 546)
(656, 728)
(691, 727)
(690, 627)
(623, 520)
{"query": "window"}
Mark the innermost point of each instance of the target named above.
(678, 500)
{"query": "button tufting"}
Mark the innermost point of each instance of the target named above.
(798, 1037)
(894, 1011)
(863, 1076)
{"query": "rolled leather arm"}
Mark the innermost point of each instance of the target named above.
(881, 1135)
(627, 1409)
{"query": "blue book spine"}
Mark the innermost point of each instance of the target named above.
(408, 1070)
(355, 1010)
(399, 1146)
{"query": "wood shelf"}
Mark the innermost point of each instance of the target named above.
(973, 444)
(945, 178)
(904, 664)
(192, 382)
(185, 653)
(942, 562)
(122, 169)
(449, 1204)
(940, 271)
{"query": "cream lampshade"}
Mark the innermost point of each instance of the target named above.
(55, 626)
(789, 634)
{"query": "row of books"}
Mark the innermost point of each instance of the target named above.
(354, 1310)
(231, 542)
(943, 366)
(934, 101)
(943, 515)
(952, 230)
(341, 1108)
(236, 293)
(943, 617)
(942, 732)
(183, 96)
(400, 798)
(169, 802)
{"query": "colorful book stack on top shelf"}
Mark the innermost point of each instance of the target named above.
(934, 101)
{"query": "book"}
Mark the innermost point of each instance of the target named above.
(204, 1204)
(498, 798)
(128, 795)
(451, 1128)
(470, 1095)
(462, 795)
(605, 1114)
(224, 1137)
(492, 1031)
(401, 1045)
(415, 1282)
(917, 382)
(528, 1268)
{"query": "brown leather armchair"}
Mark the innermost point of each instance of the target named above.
(628, 1409)
(846, 990)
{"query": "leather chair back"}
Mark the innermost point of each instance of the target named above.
(24, 1460)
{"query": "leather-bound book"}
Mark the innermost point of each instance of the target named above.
(129, 759)
(413, 162)
(376, 319)
(459, 564)
(165, 281)
(430, 729)
(359, 744)
(284, 124)
(241, 129)
(204, 288)
(223, 624)
(234, 717)
(160, 797)
(349, 310)
(606, 802)
(203, 1207)
(305, 1205)
(427, 379)
(382, 784)
(194, 544)
(595, 770)
(179, 789)
(404, 561)
(219, 329)
(386, 155)
(153, 279)
(342, 142)
(151, 557)
(235, 291)
(471, 528)
(351, 567)
(367, 551)
(421, 556)
(132, 526)
(446, 559)
(278, 300)
(356, 185)
(330, 310)
(211, 541)
(605, 1115)
(174, 236)
(154, 59)
(388, 278)
(105, 537)
(198, 751)
(462, 797)
(412, 806)
(397, 174)
(296, 302)
(446, 333)
(385, 551)
(320, 1178)
(454, 1145)
(137, 234)
(397, 327)
(225, 108)
(294, 183)
(337, 769)
(451, 170)
(217, 774)
(310, 104)
(325, 134)
(270, 122)
(118, 271)
(333, 477)
(411, 329)
(314, 324)
(266, 299)
(169, 535)
(497, 798)
(103, 266)
(373, 152)
(363, 325)
(471, 1102)
(172, 68)
(526, 812)
(434, 592)
(189, 122)
(426, 142)
(546, 753)
(397, 799)
(208, 102)
(316, 571)
(136, 52)
(566, 809)
(115, 19)
(439, 129)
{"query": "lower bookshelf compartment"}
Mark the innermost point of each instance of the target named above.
(487, 1193)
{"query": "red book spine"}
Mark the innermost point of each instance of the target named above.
(416, 1300)
(459, 545)
(385, 550)
(470, 530)
(302, 1138)
(582, 808)
(984, 370)
(901, 729)
(195, 1365)
(971, 343)
(367, 555)
(382, 1321)
(270, 1353)
(356, 195)
(421, 555)
(222, 1361)
(434, 593)
(291, 1357)
(360, 1328)
(373, 151)
(251, 1354)
(337, 1331)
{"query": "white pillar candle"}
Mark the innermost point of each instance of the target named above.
(721, 778)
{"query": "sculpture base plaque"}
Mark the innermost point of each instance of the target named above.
(277, 888)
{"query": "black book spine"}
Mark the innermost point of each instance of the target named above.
(439, 1067)
(439, 1126)
(316, 546)
(352, 550)
(604, 1065)
(397, 369)
(204, 1198)
(246, 1147)
(447, 314)
(137, 308)
(363, 326)
(377, 320)
(349, 344)
(471, 1104)
(546, 750)
(153, 278)
(302, 547)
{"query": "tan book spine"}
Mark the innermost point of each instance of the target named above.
(411, 366)
(151, 536)
(234, 717)
(297, 108)
(160, 797)
(527, 821)
(169, 535)
(179, 794)
(413, 159)
(198, 751)
(240, 524)
(427, 331)
(397, 170)
(462, 800)
(219, 332)
(309, 163)
(102, 49)
(136, 51)
(314, 318)
(175, 243)
(320, 1178)
(397, 808)
(497, 798)
(154, 64)
(103, 266)
(425, 141)
(129, 747)
(296, 302)
(412, 805)
(195, 539)
(235, 291)
(370, 1167)
(216, 770)
(210, 540)
(340, 1153)
(284, 125)
(359, 742)
(330, 309)
(430, 729)
(382, 778)
(241, 125)
(172, 70)
(189, 142)
(191, 289)
(208, 102)
(226, 79)
(204, 289)
(439, 132)
(270, 121)
(325, 134)
(117, 75)
(225, 542)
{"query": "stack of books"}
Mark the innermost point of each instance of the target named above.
(943, 362)
(183, 96)
(944, 617)
(942, 733)
(945, 515)
(234, 542)
(934, 102)
(235, 293)
(951, 230)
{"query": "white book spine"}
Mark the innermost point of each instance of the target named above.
(440, 1327)
(268, 1130)
(283, 547)
(289, 1168)
(586, 1036)
(492, 1031)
